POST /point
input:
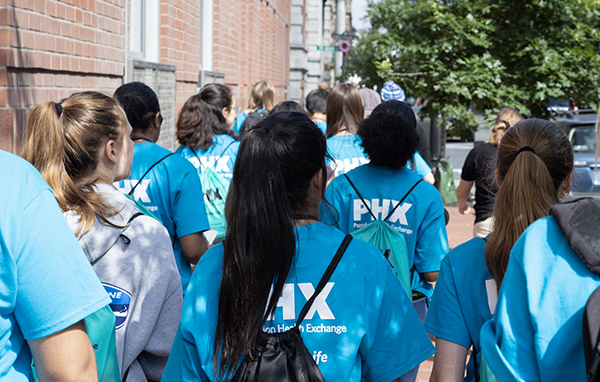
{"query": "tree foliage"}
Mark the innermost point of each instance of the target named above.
(482, 54)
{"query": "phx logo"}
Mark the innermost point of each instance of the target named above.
(120, 303)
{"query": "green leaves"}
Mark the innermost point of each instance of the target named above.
(483, 54)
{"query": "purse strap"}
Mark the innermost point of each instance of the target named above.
(147, 171)
(326, 276)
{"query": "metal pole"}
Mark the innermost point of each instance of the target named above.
(340, 28)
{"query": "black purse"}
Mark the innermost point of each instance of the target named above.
(284, 357)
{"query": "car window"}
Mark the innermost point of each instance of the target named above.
(583, 139)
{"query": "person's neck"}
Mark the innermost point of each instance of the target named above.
(319, 117)
(139, 136)
(344, 131)
(308, 216)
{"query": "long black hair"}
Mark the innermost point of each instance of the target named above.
(271, 179)
(140, 104)
(201, 117)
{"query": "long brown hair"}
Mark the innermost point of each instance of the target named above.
(344, 109)
(506, 118)
(64, 142)
(534, 161)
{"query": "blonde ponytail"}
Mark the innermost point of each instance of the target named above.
(506, 118)
(64, 141)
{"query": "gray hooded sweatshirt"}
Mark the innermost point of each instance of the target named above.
(137, 268)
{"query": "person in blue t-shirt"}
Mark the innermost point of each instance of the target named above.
(204, 130)
(466, 290)
(171, 188)
(361, 326)
(389, 139)
(48, 285)
(344, 114)
(82, 145)
(316, 105)
(537, 330)
(261, 101)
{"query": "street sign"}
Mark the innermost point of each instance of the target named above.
(344, 36)
(328, 48)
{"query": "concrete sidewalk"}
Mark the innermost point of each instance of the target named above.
(460, 229)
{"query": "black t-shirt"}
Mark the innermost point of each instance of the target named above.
(479, 167)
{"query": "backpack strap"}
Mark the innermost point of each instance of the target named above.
(402, 200)
(325, 278)
(146, 173)
(361, 198)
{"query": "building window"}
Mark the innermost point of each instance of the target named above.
(144, 30)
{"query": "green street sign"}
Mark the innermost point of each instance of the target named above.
(328, 48)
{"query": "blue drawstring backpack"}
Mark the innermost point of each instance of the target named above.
(215, 189)
(389, 241)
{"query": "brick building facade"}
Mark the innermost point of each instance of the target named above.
(50, 49)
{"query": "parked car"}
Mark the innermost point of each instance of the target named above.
(586, 173)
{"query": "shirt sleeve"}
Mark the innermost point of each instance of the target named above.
(470, 166)
(399, 342)
(184, 362)
(333, 210)
(189, 211)
(421, 167)
(56, 285)
(432, 241)
(507, 341)
(445, 318)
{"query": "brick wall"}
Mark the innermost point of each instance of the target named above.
(50, 49)
(180, 43)
(251, 43)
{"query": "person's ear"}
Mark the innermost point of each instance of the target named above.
(317, 180)
(158, 119)
(110, 151)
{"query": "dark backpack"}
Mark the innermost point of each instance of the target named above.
(579, 221)
(251, 120)
(285, 358)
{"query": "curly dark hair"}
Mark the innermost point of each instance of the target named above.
(389, 136)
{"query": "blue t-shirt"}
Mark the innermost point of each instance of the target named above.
(46, 282)
(420, 218)
(173, 191)
(322, 125)
(237, 125)
(460, 305)
(536, 333)
(220, 156)
(362, 323)
(347, 154)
